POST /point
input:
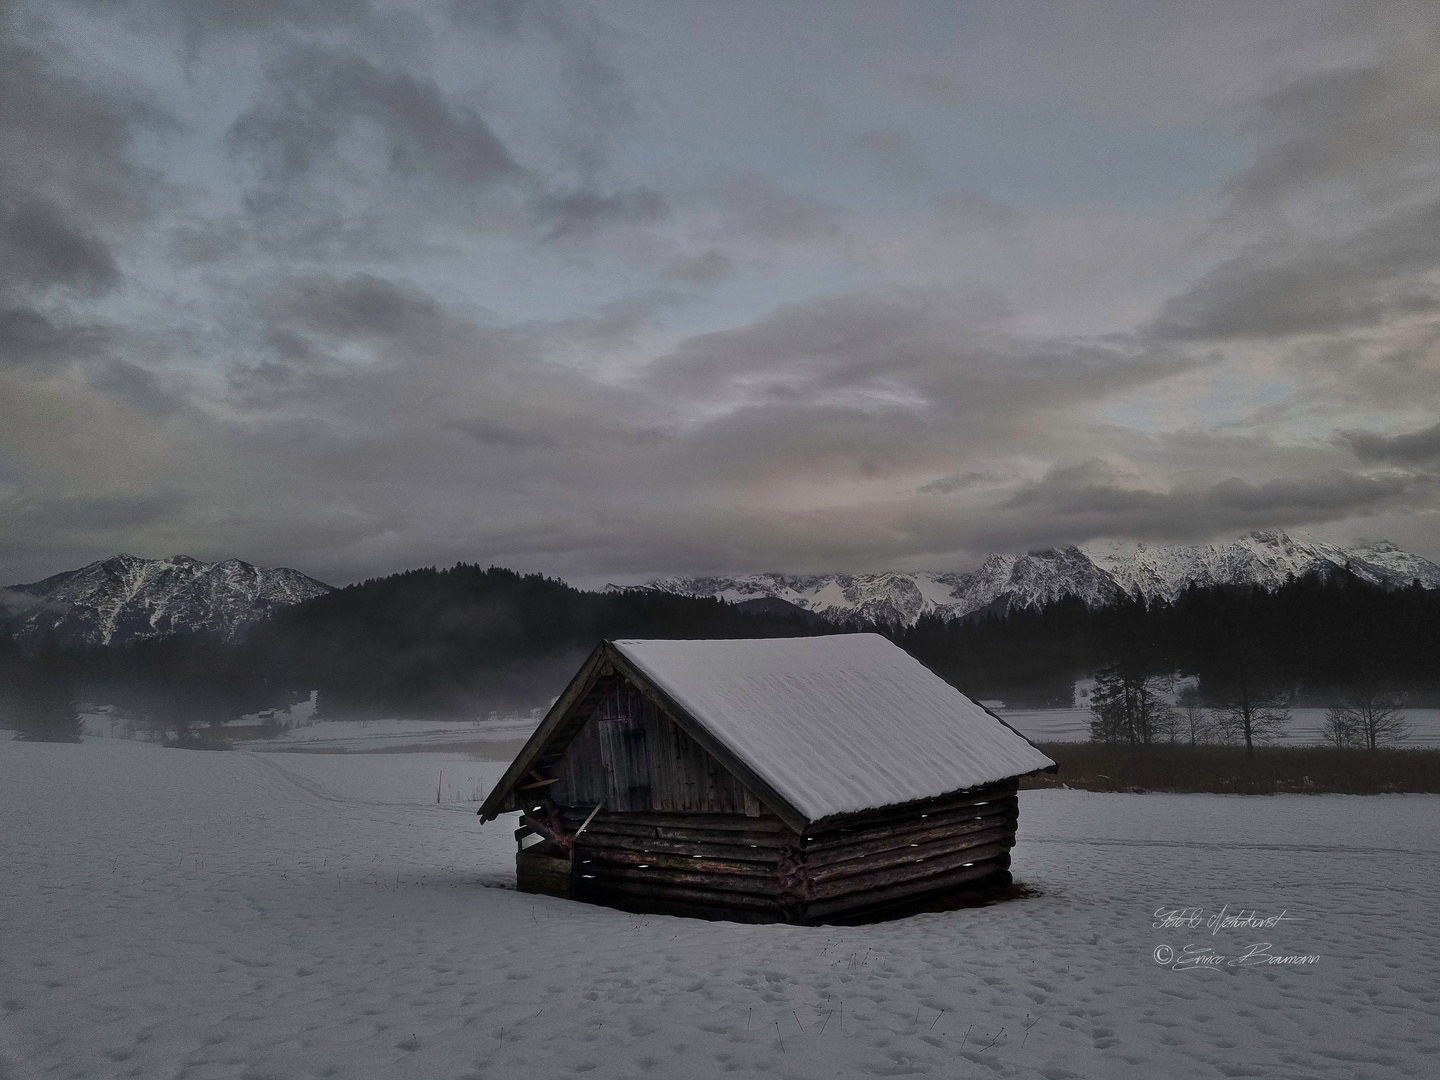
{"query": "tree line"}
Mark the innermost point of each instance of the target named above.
(467, 640)
(1314, 637)
(1338, 641)
(431, 642)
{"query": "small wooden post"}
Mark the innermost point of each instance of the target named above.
(438, 786)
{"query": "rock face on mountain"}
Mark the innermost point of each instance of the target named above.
(122, 599)
(1094, 574)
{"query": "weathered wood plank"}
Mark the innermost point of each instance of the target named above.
(855, 904)
(901, 838)
(547, 874)
(614, 841)
(865, 866)
(683, 863)
(760, 841)
(727, 821)
(859, 884)
(907, 811)
(726, 884)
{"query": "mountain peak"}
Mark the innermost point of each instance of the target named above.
(1095, 574)
(125, 598)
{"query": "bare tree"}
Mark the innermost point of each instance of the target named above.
(1374, 716)
(1252, 717)
(1193, 721)
(1340, 728)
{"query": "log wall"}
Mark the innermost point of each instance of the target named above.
(679, 833)
(727, 865)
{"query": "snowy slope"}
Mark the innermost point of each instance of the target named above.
(1094, 574)
(125, 598)
(1258, 558)
(173, 913)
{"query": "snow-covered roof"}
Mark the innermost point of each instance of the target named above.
(835, 724)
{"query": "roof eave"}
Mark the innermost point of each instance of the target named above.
(579, 686)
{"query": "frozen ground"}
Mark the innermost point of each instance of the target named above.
(170, 913)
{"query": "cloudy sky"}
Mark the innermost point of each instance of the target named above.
(654, 287)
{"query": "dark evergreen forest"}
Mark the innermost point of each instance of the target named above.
(1314, 637)
(466, 640)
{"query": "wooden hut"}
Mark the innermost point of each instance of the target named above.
(803, 780)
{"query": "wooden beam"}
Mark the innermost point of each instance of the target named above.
(909, 841)
(588, 820)
(860, 884)
(854, 904)
(597, 841)
(907, 856)
(827, 842)
(547, 832)
(938, 804)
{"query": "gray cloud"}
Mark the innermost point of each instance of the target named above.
(1340, 203)
(100, 513)
(899, 352)
(1348, 129)
(758, 207)
(598, 92)
(1280, 288)
(704, 269)
(12, 603)
(361, 306)
(42, 248)
(28, 337)
(1090, 496)
(489, 432)
(894, 153)
(1414, 448)
(314, 97)
(241, 16)
(138, 387)
(582, 213)
(948, 485)
(499, 281)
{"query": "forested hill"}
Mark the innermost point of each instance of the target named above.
(463, 641)
(1318, 636)
(467, 639)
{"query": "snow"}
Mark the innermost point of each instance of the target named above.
(124, 598)
(504, 736)
(1093, 573)
(838, 723)
(186, 914)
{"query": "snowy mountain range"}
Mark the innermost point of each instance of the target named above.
(1094, 574)
(124, 598)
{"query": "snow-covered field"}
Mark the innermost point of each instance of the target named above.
(170, 913)
(498, 739)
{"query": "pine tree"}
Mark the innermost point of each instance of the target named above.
(1126, 707)
(44, 708)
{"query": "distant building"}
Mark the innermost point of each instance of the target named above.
(802, 780)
